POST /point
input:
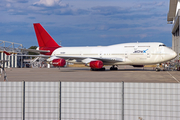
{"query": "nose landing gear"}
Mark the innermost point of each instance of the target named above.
(158, 68)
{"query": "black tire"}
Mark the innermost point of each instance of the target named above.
(158, 69)
(92, 69)
(115, 68)
(103, 69)
(111, 68)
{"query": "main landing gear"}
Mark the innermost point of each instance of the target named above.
(113, 68)
(101, 69)
(158, 69)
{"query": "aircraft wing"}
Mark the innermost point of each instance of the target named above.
(89, 59)
(79, 58)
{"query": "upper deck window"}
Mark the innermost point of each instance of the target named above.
(161, 45)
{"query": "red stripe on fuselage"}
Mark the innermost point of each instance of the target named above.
(51, 49)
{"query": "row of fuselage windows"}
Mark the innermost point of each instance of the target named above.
(134, 46)
(103, 54)
(142, 46)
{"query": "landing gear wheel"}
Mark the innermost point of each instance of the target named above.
(113, 68)
(101, 69)
(92, 69)
(158, 69)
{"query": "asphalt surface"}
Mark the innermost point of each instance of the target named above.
(72, 74)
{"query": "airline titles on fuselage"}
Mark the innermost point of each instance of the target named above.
(140, 51)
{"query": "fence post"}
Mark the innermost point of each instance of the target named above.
(21, 61)
(60, 100)
(122, 97)
(23, 100)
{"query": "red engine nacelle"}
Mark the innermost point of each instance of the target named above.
(59, 62)
(96, 64)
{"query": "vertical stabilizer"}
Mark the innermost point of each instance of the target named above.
(45, 41)
(43, 37)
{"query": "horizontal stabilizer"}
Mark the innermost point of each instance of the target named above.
(36, 51)
(43, 56)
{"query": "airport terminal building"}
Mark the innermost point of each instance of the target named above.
(174, 18)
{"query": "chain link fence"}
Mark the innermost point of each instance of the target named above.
(89, 101)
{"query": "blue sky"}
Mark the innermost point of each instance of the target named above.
(86, 22)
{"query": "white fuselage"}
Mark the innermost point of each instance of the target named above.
(128, 54)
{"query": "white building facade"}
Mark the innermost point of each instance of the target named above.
(14, 49)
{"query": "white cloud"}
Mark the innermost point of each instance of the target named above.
(48, 3)
(17, 1)
(143, 35)
(103, 36)
(160, 3)
(8, 5)
(9, 0)
(107, 20)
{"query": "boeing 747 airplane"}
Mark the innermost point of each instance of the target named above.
(135, 54)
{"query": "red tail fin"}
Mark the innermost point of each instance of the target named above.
(43, 37)
(45, 41)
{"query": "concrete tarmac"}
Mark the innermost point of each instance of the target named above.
(72, 74)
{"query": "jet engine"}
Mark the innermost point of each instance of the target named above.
(59, 62)
(96, 64)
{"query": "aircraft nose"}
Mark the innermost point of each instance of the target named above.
(174, 54)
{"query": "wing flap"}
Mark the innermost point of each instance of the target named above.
(89, 59)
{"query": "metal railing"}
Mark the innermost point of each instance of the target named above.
(10, 46)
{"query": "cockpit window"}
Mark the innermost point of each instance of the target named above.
(162, 45)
